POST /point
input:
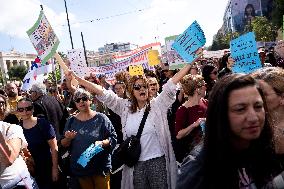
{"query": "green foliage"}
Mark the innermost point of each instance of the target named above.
(56, 75)
(263, 29)
(17, 72)
(277, 13)
(222, 41)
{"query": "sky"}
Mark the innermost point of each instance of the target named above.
(139, 22)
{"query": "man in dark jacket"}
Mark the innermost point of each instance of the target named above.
(48, 107)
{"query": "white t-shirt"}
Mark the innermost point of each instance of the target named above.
(150, 146)
(18, 170)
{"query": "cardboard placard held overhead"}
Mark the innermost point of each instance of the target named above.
(244, 52)
(136, 70)
(187, 43)
(78, 62)
(153, 57)
(43, 38)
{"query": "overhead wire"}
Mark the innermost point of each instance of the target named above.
(107, 17)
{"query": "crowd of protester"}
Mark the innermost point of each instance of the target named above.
(207, 128)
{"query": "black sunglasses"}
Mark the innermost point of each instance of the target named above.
(84, 99)
(137, 87)
(28, 108)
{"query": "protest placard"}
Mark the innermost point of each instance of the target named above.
(77, 62)
(136, 70)
(43, 38)
(187, 43)
(244, 52)
(153, 57)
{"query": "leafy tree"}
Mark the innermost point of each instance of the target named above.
(263, 29)
(55, 76)
(17, 72)
(222, 41)
(277, 13)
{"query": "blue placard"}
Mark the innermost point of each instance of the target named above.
(244, 52)
(187, 43)
(87, 155)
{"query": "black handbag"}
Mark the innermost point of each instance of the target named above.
(128, 152)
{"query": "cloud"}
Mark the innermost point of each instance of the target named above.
(172, 17)
(17, 16)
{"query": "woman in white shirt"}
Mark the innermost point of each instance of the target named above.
(13, 169)
(156, 167)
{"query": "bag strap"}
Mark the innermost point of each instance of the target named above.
(141, 127)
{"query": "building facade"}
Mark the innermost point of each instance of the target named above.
(239, 13)
(13, 58)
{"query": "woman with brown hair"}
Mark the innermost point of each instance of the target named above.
(190, 114)
(156, 167)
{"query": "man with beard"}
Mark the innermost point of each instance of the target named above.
(13, 97)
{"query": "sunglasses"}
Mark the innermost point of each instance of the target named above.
(28, 108)
(137, 87)
(215, 72)
(84, 99)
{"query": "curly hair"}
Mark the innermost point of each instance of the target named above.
(131, 82)
(190, 83)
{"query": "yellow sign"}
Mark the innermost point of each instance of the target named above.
(136, 70)
(153, 57)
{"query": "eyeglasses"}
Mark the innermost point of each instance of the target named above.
(153, 84)
(215, 72)
(84, 99)
(28, 108)
(137, 87)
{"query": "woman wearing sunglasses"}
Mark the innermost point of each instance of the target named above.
(156, 167)
(82, 130)
(41, 138)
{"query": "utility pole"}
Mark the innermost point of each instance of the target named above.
(84, 49)
(68, 25)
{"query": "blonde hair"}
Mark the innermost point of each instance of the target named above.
(274, 76)
(190, 83)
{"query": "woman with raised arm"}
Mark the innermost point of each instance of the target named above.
(156, 167)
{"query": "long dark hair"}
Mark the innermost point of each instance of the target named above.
(221, 162)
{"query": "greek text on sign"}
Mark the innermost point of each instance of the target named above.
(187, 43)
(43, 38)
(244, 52)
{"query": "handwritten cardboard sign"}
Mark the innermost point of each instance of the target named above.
(187, 43)
(43, 38)
(279, 48)
(136, 70)
(78, 62)
(244, 52)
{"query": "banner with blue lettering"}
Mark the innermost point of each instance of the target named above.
(244, 52)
